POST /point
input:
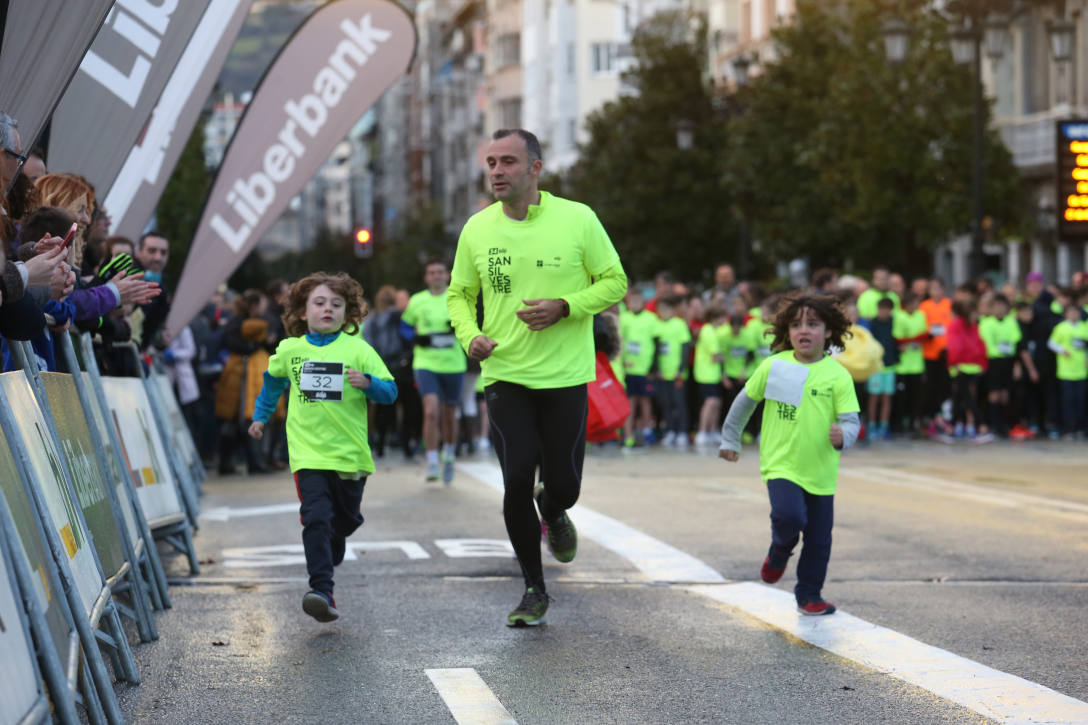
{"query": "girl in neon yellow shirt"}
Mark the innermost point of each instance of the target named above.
(811, 416)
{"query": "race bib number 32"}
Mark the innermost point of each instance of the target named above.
(322, 380)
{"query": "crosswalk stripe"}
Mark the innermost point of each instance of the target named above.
(989, 692)
(468, 697)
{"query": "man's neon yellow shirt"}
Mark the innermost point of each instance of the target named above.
(328, 435)
(1001, 336)
(794, 440)
(708, 371)
(672, 334)
(912, 361)
(638, 331)
(1072, 338)
(429, 315)
(555, 252)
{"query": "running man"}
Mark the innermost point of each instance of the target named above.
(438, 364)
(536, 350)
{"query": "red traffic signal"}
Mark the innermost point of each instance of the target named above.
(364, 243)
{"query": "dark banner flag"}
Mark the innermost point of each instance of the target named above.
(329, 73)
(107, 104)
(140, 182)
(44, 42)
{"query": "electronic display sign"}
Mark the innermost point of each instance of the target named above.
(1072, 156)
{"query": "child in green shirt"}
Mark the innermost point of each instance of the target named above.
(1068, 341)
(673, 345)
(709, 376)
(811, 415)
(326, 419)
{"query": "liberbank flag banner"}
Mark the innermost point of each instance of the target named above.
(44, 42)
(139, 184)
(329, 73)
(117, 85)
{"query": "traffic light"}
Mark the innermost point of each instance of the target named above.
(364, 243)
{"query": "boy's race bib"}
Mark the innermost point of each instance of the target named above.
(1004, 348)
(322, 380)
(936, 330)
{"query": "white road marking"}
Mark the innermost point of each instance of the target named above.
(473, 548)
(292, 554)
(226, 513)
(656, 559)
(468, 697)
(969, 491)
(989, 692)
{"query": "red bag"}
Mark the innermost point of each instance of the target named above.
(608, 404)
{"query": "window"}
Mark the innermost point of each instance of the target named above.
(603, 57)
(510, 113)
(570, 58)
(508, 50)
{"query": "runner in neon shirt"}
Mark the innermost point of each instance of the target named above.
(332, 372)
(439, 365)
(811, 416)
(536, 349)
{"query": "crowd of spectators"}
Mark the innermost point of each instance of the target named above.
(975, 364)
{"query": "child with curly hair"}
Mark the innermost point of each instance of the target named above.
(326, 419)
(811, 415)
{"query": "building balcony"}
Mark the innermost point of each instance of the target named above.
(1030, 139)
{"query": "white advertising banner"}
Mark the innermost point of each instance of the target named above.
(334, 68)
(114, 476)
(47, 471)
(132, 197)
(142, 448)
(19, 687)
(180, 437)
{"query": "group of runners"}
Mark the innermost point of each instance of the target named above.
(543, 266)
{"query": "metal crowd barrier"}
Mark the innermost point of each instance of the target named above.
(93, 471)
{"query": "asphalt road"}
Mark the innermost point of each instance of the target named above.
(959, 573)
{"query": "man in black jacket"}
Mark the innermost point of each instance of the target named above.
(152, 253)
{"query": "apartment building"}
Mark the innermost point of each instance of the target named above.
(1033, 91)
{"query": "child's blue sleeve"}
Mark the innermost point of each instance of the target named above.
(407, 331)
(270, 396)
(380, 391)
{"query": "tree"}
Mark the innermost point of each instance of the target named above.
(842, 157)
(178, 211)
(663, 206)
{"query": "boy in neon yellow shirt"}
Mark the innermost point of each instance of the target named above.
(811, 415)
(638, 328)
(326, 419)
(709, 376)
(673, 345)
(911, 329)
(1001, 334)
(1068, 340)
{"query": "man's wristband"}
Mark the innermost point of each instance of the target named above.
(566, 308)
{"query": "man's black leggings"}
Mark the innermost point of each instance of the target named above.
(531, 427)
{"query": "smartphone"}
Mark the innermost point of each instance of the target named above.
(68, 237)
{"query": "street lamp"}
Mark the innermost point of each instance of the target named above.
(966, 43)
(1061, 33)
